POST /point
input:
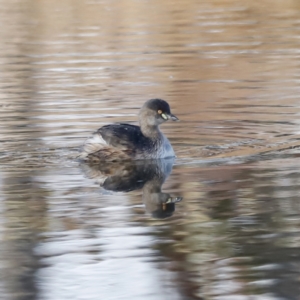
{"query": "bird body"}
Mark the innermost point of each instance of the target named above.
(125, 141)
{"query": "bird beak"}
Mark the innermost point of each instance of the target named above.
(174, 200)
(173, 117)
(169, 117)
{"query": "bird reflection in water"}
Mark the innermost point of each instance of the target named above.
(148, 175)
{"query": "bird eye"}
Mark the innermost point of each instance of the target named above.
(163, 115)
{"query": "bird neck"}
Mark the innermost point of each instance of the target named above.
(149, 125)
(150, 131)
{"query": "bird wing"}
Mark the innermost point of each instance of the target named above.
(124, 136)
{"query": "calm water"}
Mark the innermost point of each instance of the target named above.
(220, 222)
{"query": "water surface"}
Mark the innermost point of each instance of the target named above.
(230, 71)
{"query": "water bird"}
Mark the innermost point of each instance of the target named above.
(120, 141)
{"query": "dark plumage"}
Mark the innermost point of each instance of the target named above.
(125, 141)
(158, 104)
(122, 135)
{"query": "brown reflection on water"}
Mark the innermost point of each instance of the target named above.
(24, 218)
(230, 71)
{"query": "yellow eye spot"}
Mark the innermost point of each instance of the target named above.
(159, 111)
(164, 116)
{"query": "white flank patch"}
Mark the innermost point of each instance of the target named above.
(92, 144)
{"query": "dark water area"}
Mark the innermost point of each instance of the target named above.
(221, 221)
